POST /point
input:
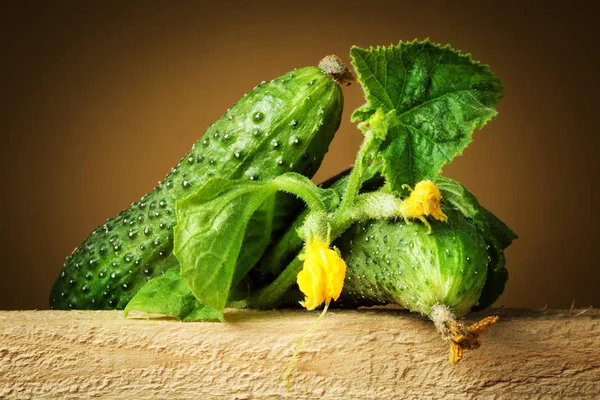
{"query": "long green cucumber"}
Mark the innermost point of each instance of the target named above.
(283, 125)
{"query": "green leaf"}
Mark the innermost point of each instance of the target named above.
(211, 225)
(503, 234)
(213, 222)
(169, 295)
(455, 194)
(439, 97)
(495, 280)
(256, 238)
(502, 237)
(496, 234)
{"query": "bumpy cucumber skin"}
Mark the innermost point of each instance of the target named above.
(280, 126)
(399, 263)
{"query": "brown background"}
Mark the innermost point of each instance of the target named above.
(100, 99)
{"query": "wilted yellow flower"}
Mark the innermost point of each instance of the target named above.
(322, 276)
(424, 200)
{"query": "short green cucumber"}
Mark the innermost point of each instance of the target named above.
(283, 125)
(460, 264)
(398, 263)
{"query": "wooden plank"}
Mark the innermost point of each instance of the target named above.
(353, 354)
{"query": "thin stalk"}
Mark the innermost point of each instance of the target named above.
(306, 192)
(286, 375)
(343, 218)
(355, 180)
(269, 296)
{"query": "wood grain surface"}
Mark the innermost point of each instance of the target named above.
(357, 354)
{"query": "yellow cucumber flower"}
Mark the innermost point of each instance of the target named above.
(322, 276)
(424, 200)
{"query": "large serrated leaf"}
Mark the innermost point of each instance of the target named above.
(440, 97)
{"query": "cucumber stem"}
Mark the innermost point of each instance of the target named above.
(346, 214)
(270, 296)
(306, 190)
(286, 375)
(285, 248)
(355, 180)
(333, 66)
(458, 334)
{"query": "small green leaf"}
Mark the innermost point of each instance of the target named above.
(503, 234)
(204, 313)
(496, 234)
(439, 96)
(458, 197)
(256, 238)
(213, 222)
(501, 237)
(495, 280)
(169, 295)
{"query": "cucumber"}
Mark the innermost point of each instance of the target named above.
(399, 263)
(442, 274)
(280, 126)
